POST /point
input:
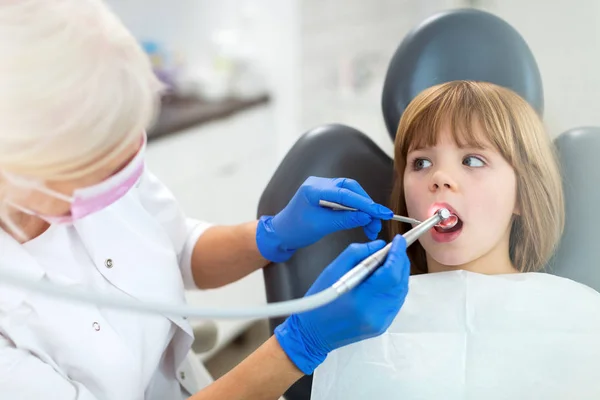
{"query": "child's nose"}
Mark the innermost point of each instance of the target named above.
(442, 180)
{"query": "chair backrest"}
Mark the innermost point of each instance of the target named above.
(327, 151)
(464, 44)
(459, 44)
(578, 254)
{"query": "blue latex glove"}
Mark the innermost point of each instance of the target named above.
(364, 312)
(303, 221)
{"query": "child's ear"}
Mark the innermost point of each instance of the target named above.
(517, 210)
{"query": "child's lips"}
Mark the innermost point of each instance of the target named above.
(448, 229)
(446, 236)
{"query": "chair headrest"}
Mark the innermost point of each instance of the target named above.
(463, 44)
(578, 254)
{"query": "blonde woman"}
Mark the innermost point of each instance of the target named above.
(478, 321)
(80, 209)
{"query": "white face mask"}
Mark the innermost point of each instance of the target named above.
(91, 199)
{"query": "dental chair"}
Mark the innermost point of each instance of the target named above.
(458, 44)
(578, 253)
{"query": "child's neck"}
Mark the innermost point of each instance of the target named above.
(495, 262)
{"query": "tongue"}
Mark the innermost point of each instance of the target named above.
(450, 225)
(449, 222)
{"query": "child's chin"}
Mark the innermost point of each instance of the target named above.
(449, 259)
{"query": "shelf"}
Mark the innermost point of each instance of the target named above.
(179, 113)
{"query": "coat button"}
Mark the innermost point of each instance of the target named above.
(108, 263)
(182, 374)
(96, 326)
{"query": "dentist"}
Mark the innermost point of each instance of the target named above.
(80, 209)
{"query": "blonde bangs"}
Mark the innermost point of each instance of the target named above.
(463, 106)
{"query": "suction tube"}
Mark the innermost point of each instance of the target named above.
(346, 283)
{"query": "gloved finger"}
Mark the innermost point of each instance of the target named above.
(372, 229)
(341, 220)
(395, 271)
(348, 198)
(353, 254)
(353, 185)
(344, 262)
(370, 235)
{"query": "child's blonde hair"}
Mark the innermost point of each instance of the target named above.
(517, 133)
(75, 89)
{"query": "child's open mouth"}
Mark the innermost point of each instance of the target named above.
(450, 228)
(450, 225)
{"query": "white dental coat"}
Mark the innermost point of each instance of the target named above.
(139, 247)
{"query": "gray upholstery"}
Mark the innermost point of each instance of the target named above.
(459, 44)
(327, 151)
(578, 255)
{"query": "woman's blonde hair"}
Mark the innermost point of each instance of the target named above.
(75, 89)
(516, 131)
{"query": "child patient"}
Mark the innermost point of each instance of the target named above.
(481, 151)
(479, 322)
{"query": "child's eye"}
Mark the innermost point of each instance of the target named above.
(473, 161)
(420, 163)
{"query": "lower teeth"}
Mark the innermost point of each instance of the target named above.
(449, 222)
(450, 229)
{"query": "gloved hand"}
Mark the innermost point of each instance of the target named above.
(303, 221)
(364, 312)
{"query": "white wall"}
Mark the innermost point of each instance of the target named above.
(270, 29)
(341, 38)
(180, 24)
(307, 47)
(564, 37)
(278, 42)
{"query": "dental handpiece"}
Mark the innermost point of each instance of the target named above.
(339, 207)
(362, 270)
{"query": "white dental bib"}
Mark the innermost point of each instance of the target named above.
(462, 335)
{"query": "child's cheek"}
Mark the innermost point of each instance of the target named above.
(415, 199)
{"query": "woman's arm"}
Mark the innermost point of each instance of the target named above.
(265, 375)
(225, 254)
